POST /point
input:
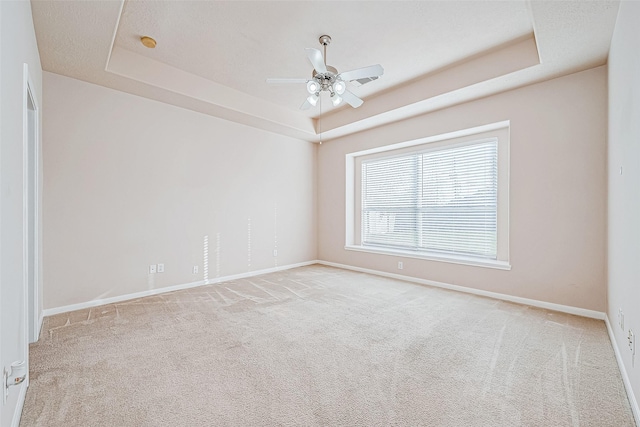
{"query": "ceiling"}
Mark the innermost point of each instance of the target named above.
(214, 56)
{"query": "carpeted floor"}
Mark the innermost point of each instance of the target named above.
(320, 346)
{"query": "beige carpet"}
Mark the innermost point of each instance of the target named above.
(319, 346)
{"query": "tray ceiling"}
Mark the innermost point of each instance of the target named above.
(214, 56)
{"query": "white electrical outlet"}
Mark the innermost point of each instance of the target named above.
(152, 269)
(195, 269)
(160, 268)
(400, 265)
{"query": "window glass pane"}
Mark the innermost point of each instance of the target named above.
(389, 192)
(441, 201)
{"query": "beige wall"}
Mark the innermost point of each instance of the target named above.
(131, 182)
(624, 189)
(557, 191)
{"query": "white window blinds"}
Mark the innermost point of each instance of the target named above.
(442, 201)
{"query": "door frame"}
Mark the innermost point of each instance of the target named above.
(33, 311)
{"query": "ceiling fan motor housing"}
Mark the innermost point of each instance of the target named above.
(326, 80)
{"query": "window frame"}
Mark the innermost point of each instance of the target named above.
(499, 131)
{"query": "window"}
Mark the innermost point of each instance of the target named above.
(442, 198)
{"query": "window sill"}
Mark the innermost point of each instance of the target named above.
(476, 262)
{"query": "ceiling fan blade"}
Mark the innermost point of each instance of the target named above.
(285, 81)
(361, 73)
(315, 56)
(306, 105)
(364, 81)
(351, 99)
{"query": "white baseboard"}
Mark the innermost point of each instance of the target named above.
(526, 301)
(623, 371)
(120, 298)
(17, 413)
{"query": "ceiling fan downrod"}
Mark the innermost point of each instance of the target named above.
(325, 41)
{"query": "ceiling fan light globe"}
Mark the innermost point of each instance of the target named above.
(339, 87)
(336, 100)
(312, 86)
(313, 99)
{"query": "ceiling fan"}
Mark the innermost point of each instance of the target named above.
(326, 78)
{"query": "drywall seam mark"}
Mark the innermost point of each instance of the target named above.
(205, 261)
(115, 33)
(249, 242)
(217, 255)
(275, 234)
